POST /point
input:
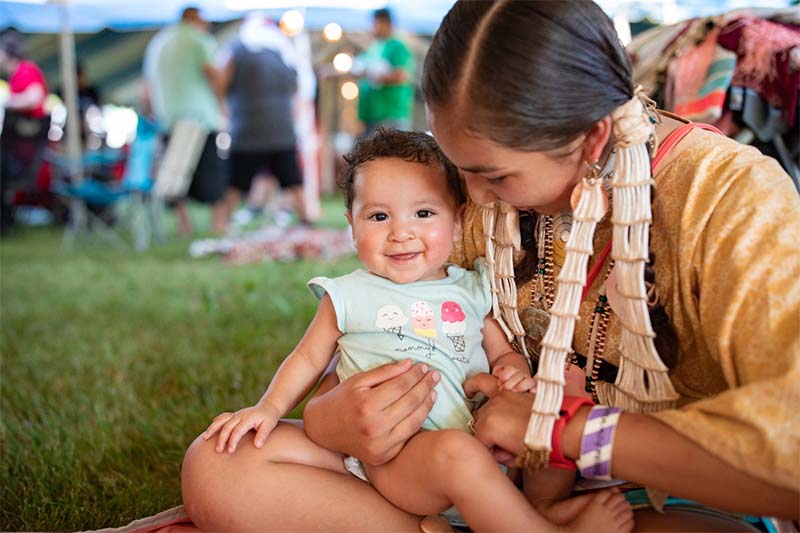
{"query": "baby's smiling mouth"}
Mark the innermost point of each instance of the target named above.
(403, 257)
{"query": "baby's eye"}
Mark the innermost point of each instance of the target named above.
(425, 213)
(378, 217)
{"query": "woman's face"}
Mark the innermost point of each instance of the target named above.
(526, 180)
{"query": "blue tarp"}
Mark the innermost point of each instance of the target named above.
(419, 16)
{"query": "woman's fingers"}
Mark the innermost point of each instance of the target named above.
(483, 382)
(504, 457)
(503, 419)
(390, 391)
(409, 423)
(410, 402)
(381, 374)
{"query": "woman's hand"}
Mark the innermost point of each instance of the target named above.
(233, 426)
(371, 415)
(500, 423)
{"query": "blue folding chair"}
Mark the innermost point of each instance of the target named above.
(143, 210)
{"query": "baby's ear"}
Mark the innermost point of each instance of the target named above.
(349, 218)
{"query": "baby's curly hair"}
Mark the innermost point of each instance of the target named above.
(411, 146)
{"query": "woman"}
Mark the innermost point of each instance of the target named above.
(528, 98)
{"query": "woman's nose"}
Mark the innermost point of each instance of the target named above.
(479, 190)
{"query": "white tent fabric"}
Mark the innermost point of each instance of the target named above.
(86, 16)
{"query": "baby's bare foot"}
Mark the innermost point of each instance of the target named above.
(607, 511)
(434, 524)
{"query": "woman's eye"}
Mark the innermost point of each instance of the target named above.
(424, 213)
(378, 217)
(495, 179)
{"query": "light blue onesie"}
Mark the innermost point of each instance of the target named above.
(436, 322)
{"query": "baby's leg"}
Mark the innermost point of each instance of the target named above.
(548, 491)
(607, 510)
(437, 469)
(288, 443)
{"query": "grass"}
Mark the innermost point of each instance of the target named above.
(112, 362)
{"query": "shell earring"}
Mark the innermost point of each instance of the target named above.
(590, 181)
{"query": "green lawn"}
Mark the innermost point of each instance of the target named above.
(113, 361)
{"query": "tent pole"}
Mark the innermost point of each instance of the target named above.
(70, 88)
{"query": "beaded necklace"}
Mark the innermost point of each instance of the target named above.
(549, 230)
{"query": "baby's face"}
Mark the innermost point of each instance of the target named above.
(403, 219)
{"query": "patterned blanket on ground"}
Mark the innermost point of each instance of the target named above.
(173, 520)
(274, 243)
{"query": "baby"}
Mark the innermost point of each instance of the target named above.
(404, 203)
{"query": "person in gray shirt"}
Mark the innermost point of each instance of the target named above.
(261, 74)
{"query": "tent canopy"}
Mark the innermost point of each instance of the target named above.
(88, 16)
(419, 16)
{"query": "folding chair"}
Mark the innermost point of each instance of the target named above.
(143, 215)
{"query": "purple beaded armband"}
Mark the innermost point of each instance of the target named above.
(597, 442)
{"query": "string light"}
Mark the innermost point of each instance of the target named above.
(349, 90)
(292, 22)
(332, 32)
(342, 62)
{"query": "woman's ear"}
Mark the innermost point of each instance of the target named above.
(596, 139)
(458, 223)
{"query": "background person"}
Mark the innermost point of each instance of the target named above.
(386, 88)
(25, 124)
(261, 81)
(183, 83)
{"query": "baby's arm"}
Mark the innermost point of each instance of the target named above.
(292, 382)
(508, 366)
(545, 489)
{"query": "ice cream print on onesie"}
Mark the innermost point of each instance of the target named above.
(424, 323)
(391, 319)
(453, 326)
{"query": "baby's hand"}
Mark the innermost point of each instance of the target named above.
(513, 379)
(233, 426)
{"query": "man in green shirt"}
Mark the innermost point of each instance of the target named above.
(386, 92)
